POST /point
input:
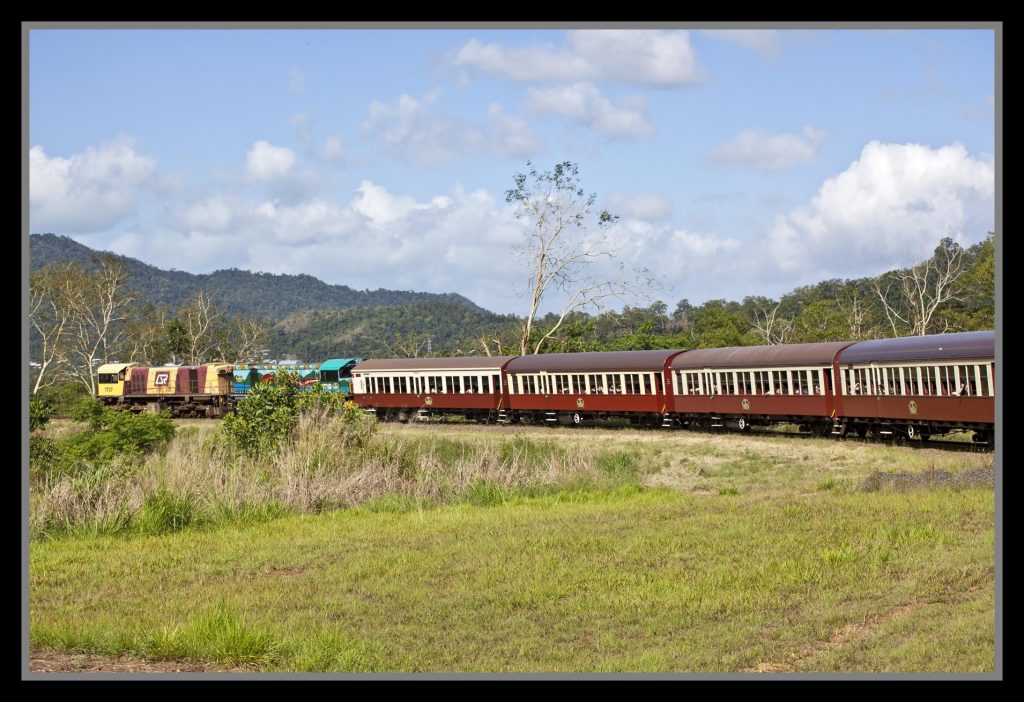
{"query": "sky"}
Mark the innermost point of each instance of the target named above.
(739, 161)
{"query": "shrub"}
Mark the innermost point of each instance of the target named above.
(39, 412)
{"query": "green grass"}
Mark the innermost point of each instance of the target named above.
(575, 580)
(526, 549)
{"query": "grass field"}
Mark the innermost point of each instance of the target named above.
(586, 550)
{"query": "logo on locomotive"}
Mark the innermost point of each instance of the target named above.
(745, 403)
(579, 402)
(912, 407)
(162, 379)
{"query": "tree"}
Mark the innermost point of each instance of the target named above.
(914, 296)
(49, 290)
(241, 338)
(197, 319)
(99, 303)
(769, 325)
(560, 250)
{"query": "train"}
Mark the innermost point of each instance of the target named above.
(908, 387)
(210, 389)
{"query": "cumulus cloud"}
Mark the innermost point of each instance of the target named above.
(654, 58)
(770, 152)
(333, 150)
(764, 41)
(264, 161)
(647, 207)
(891, 206)
(87, 192)
(585, 104)
(412, 132)
(511, 137)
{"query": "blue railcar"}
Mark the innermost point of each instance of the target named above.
(336, 374)
(246, 376)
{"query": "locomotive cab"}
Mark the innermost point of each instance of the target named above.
(111, 380)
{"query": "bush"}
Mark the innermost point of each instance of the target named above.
(265, 420)
(63, 398)
(39, 412)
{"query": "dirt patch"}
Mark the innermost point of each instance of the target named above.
(903, 480)
(41, 661)
(842, 635)
(278, 572)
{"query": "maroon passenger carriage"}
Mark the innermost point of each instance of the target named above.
(906, 387)
(574, 388)
(919, 385)
(471, 386)
(740, 386)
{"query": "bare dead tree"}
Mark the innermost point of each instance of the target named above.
(99, 304)
(912, 297)
(561, 252)
(240, 339)
(144, 335)
(770, 326)
(197, 318)
(408, 346)
(50, 317)
(485, 344)
(857, 310)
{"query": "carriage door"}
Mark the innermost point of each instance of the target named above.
(193, 381)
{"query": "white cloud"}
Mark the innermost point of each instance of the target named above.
(297, 82)
(212, 214)
(264, 161)
(890, 207)
(88, 192)
(585, 104)
(334, 149)
(764, 41)
(410, 131)
(511, 136)
(655, 58)
(770, 152)
(380, 206)
(646, 207)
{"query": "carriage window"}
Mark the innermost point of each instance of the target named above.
(647, 384)
(945, 380)
(966, 383)
(743, 383)
(578, 384)
(799, 383)
(485, 384)
(983, 375)
(761, 383)
(449, 385)
(401, 385)
(657, 383)
(531, 384)
(693, 379)
(778, 383)
(629, 389)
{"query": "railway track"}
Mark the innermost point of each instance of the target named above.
(944, 445)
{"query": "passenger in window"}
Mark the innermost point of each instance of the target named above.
(817, 389)
(856, 389)
(963, 390)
